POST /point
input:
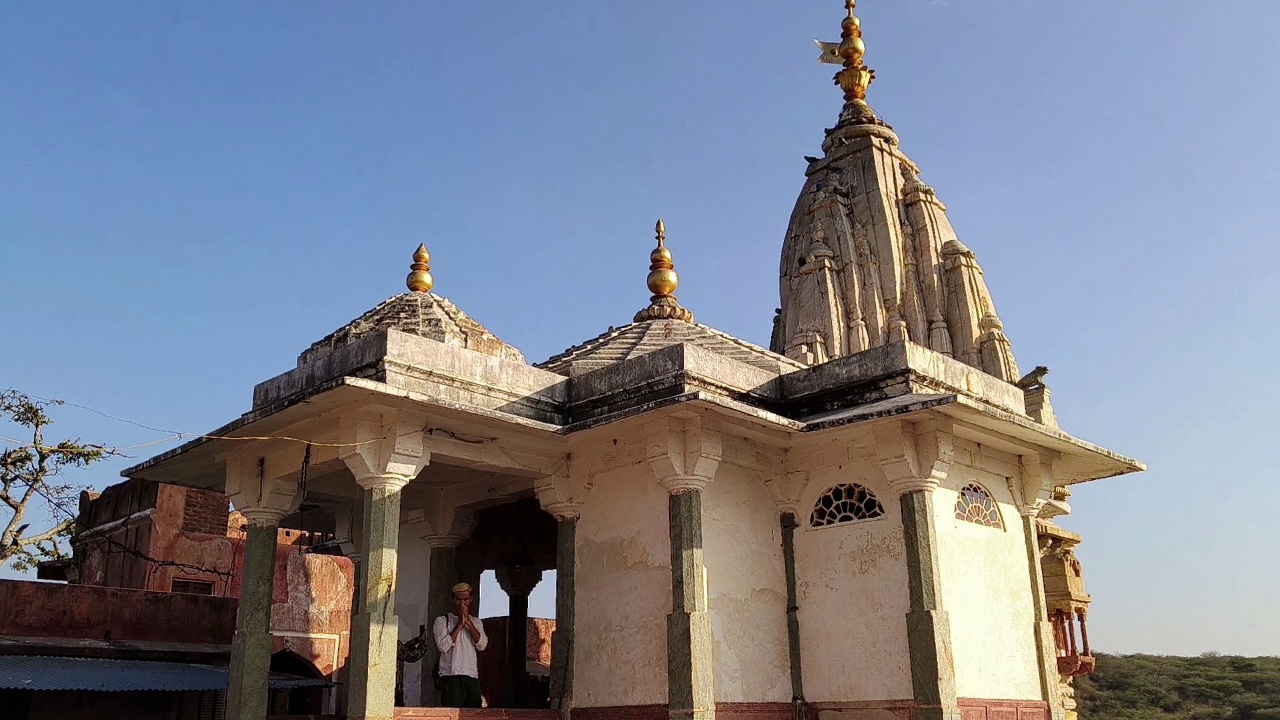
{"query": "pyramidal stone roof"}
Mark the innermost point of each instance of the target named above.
(660, 325)
(641, 338)
(424, 314)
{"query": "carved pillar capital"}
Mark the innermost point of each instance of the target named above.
(263, 517)
(562, 494)
(915, 455)
(783, 484)
(384, 448)
(1035, 486)
(683, 452)
(518, 580)
(447, 526)
(264, 489)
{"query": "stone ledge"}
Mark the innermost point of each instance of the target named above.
(888, 371)
(429, 366)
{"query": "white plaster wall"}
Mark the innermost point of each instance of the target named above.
(623, 591)
(747, 591)
(413, 566)
(986, 585)
(852, 588)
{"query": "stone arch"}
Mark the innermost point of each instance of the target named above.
(296, 701)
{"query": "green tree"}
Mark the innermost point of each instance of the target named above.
(1210, 687)
(31, 475)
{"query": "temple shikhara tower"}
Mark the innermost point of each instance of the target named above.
(854, 524)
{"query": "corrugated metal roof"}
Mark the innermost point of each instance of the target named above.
(35, 672)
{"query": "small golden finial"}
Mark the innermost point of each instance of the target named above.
(663, 279)
(420, 280)
(855, 78)
(663, 282)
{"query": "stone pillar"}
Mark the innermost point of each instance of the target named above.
(928, 628)
(1032, 492)
(789, 525)
(448, 527)
(916, 458)
(384, 451)
(689, 636)
(444, 571)
(261, 489)
(562, 495)
(377, 628)
(517, 582)
(251, 646)
(1042, 628)
(562, 639)
(684, 454)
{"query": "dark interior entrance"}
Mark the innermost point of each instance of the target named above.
(516, 540)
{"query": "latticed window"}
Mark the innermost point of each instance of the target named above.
(976, 506)
(845, 503)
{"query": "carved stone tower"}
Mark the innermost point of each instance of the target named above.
(870, 257)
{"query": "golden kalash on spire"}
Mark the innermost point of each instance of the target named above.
(663, 282)
(855, 77)
(420, 280)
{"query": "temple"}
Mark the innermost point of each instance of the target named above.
(856, 523)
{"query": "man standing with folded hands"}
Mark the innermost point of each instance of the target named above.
(459, 636)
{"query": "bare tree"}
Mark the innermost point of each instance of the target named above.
(31, 476)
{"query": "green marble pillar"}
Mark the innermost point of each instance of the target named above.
(689, 638)
(376, 632)
(562, 640)
(933, 676)
(251, 646)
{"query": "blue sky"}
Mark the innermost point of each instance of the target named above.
(193, 193)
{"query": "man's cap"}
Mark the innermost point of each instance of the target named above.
(461, 587)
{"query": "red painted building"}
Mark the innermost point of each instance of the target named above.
(149, 604)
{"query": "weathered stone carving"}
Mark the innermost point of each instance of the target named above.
(898, 268)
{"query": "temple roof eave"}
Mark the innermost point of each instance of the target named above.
(198, 463)
(538, 408)
(1077, 460)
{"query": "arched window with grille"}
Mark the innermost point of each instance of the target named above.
(845, 503)
(976, 505)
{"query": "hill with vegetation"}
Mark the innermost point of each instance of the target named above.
(1154, 687)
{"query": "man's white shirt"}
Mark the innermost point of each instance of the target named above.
(458, 658)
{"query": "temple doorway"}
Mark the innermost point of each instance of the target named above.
(511, 558)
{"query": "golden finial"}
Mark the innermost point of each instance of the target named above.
(663, 282)
(662, 272)
(420, 280)
(855, 78)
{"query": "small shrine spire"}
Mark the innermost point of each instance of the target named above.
(420, 280)
(663, 282)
